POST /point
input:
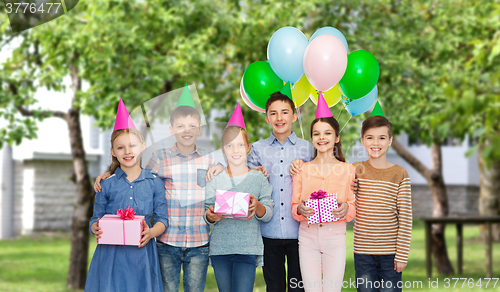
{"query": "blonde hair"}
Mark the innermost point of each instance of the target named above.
(229, 134)
(114, 161)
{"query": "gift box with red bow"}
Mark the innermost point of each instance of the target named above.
(125, 228)
(323, 205)
(232, 204)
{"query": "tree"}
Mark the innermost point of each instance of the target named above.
(475, 100)
(134, 50)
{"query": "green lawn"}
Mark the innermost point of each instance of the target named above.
(40, 263)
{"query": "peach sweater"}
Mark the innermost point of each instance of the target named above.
(338, 180)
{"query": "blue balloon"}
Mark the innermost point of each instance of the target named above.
(331, 31)
(358, 106)
(285, 52)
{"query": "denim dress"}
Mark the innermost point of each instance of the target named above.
(125, 267)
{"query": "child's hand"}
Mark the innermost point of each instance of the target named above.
(261, 168)
(211, 216)
(341, 211)
(213, 171)
(296, 166)
(96, 230)
(252, 207)
(146, 234)
(399, 267)
(354, 186)
(304, 210)
(97, 184)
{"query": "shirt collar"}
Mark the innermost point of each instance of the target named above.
(144, 174)
(119, 173)
(292, 138)
(175, 151)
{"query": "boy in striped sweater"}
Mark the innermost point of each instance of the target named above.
(382, 230)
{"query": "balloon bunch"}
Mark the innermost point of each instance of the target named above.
(320, 65)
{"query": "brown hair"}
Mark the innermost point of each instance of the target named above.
(337, 148)
(114, 161)
(376, 122)
(229, 134)
(281, 97)
(184, 111)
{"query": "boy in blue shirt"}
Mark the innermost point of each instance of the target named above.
(275, 154)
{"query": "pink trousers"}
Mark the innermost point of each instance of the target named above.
(322, 253)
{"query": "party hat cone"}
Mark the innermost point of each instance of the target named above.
(186, 99)
(237, 118)
(123, 120)
(323, 111)
(286, 90)
(377, 110)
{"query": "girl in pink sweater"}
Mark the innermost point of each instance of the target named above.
(322, 246)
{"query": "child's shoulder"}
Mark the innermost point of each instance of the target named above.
(262, 142)
(202, 151)
(350, 166)
(256, 174)
(395, 173)
(304, 141)
(109, 180)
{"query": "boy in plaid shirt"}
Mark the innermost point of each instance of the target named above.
(185, 241)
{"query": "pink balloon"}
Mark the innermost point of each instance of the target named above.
(247, 101)
(325, 62)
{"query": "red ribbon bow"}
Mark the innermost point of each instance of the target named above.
(127, 214)
(320, 194)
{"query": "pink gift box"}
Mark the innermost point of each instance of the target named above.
(323, 209)
(232, 204)
(121, 232)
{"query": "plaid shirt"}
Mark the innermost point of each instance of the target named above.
(185, 199)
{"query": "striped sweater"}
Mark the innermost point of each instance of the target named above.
(383, 211)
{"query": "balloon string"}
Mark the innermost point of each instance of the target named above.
(345, 124)
(341, 111)
(298, 111)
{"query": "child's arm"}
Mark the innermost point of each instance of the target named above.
(300, 211)
(213, 171)
(347, 210)
(405, 223)
(210, 217)
(160, 211)
(296, 166)
(97, 183)
(264, 204)
(101, 201)
(160, 208)
(150, 233)
(156, 165)
(253, 158)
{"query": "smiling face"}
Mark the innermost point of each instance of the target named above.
(236, 149)
(127, 148)
(186, 130)
(324, 137)
(280, 116)
(376, 141)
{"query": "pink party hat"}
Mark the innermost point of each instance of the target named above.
(123, 120)
(323, 111)
(237, 118)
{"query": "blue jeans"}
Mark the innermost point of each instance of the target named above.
(194, 262)
(234, 272)
(376, 273)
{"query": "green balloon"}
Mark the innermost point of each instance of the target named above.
(259, 82)
(361, 74)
